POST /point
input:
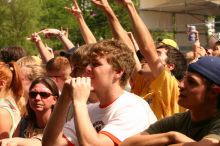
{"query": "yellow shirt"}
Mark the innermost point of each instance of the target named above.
(140, 85)
(162, 94)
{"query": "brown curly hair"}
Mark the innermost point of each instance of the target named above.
(118, 55)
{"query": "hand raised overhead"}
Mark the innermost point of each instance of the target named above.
(75, 9)
(34, 37)
(102, 4)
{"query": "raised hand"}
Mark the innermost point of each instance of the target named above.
(81, 87)
(66, 92)
(34, 37)
(75, 9)
(77, 89)
(102, 4)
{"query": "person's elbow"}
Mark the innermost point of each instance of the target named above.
(47, 141)
(131, 141)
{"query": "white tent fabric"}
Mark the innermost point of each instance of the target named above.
(200, 7)
(174, 15)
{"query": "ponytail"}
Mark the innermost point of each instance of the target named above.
(11, 74)
(16, 84)
(17, 88)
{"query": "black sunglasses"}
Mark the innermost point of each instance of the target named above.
(34, 94)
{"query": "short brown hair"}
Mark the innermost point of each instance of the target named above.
(79, 59)
(57, 63)
(118, 55)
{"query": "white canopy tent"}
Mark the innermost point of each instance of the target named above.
(200, 7)
(174, 15)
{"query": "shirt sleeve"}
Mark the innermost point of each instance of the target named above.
(161, 126)
(215, 126)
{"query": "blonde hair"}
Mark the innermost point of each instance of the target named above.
(118, 55)
(33, 67)
(29, 60)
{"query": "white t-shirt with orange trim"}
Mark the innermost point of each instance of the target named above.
(125, 117)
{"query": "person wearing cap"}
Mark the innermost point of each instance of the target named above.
(67, 53)
(162, 66)
(200, 93)
(168, 42)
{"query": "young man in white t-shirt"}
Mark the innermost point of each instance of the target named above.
(118, 115)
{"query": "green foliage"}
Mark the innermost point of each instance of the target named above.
(55, 16)
(217, 25)
(20, 18)
(97, 20)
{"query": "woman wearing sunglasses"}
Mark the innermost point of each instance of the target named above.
(43, 94)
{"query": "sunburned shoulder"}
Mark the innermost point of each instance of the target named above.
(4, 113)
(5, 118)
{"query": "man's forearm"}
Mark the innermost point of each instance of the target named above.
(86, 133)
(53, 133)
(116, 28)
(65, 41)
(85, 31)
(143, 35)
(144, 139)
(121, 34)
(161, 139)
(203, 142)
(44, 52)
(145, 41)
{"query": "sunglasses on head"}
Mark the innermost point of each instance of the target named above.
(33, 94)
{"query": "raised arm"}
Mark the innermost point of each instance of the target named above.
(144, 39)
(53, 133)
(84, 29)
(197, 49)
(45, 53)
(134, 42)
(61, 35)
(116, 28)
(86, 133)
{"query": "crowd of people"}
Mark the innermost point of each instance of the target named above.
(126, 90)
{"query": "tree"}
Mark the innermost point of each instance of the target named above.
(97, 20)
(18, 19)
